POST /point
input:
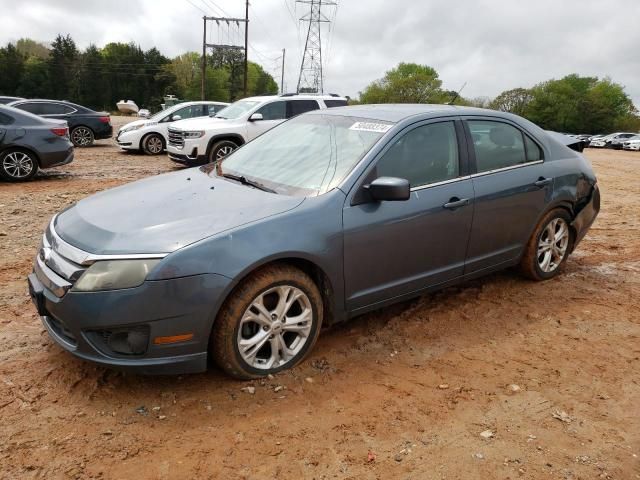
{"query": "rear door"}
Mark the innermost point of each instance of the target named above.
(396, 248)
(272, 113)
(511, 191)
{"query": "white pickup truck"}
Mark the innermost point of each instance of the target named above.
(205, 140)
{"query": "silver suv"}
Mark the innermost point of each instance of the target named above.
(204, 140)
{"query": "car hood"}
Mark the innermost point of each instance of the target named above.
(164, 213)
(199, 123)
(136, 123)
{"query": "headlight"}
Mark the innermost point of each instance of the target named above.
(193, 134)
(114, 274)
(132, 128)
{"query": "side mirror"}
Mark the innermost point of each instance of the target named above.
(255, 117)
(389, 189)
(175, 118)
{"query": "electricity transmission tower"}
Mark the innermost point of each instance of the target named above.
(310, 79)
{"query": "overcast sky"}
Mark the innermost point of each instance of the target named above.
(493, 45)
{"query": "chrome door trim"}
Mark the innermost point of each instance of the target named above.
(437, 184)
(512, 167)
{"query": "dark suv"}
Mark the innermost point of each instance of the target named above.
(85, 125)
(28, 142)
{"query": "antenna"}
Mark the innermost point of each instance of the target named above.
(311, 79)
(455, 97)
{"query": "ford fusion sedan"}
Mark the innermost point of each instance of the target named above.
(29, 143)
(332, 214)
(150, 135)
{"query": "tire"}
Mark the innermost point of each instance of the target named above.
(17, 165)
(239, 321)
(544, 258)
(82, 136)
(221, 149)
(153, 144)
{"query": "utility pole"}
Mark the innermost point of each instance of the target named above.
(310, 79)
(246, 48)
(284, 51)
(204, 57)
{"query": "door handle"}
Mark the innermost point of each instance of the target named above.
(543, 182)
(456, 202)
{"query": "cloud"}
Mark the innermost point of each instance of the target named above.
(493, 45)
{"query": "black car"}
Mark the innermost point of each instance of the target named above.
(5, 100)
(29, 142)
(85, 125)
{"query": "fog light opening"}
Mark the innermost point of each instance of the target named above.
(132, 342)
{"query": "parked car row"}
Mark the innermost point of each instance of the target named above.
(331, 214)
(613, 140)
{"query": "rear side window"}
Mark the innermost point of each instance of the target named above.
(335, 103)
(297, 107)
(54, 109)
(274, 111)
(5, 119)
(31, 107)
(424, 155)
(534, 153)
(499, 145)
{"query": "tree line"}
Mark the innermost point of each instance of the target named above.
(100, 77)
(573, 104)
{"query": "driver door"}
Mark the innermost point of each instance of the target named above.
(272, 113)
(394, 248)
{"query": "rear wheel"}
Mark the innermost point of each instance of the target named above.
(549, 246)
(221, 149)
(269, 323)
(82, 137)
(153, 144)
(17, 165)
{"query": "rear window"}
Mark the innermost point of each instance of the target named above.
(335, 103)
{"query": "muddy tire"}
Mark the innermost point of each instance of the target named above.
(153, 144)
(221, 149)
(17, 165)
(549, 246)
(269, 323)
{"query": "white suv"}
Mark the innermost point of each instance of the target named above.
(150, 135)
(199, 141)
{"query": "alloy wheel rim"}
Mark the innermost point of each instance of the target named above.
(223, 152)
(17, 164)
(553, 245)
(82, 136)
(275, 327)
(154, 144)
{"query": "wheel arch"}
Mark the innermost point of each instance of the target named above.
(164, 140)
(234, 137)
(23, 148)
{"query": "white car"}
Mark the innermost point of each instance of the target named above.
(632, 144)
(199, 141)
(605, 142)
(150, 135)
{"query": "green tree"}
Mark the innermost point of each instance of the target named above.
(34, 82)
(63, 68)
(407, 83)
(514, 101)
(31, 48)
(11, 68)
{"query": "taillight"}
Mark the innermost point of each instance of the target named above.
(105, 119)
(61, 132)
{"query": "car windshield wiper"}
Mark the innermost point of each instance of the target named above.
(245, 181)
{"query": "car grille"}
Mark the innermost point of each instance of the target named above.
(176, 138)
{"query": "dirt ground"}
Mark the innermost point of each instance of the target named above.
(547, 372)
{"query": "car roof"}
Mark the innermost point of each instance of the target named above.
(302, 96)
(396, 112)
(48, 100)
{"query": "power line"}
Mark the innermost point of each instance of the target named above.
(195, 6)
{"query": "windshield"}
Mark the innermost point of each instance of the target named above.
(236, 110)
(306, 156)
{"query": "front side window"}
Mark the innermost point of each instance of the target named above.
(424, 155)
(500, 145)
(298, 107)
(212, 109)
(274, 111)
(306, 156)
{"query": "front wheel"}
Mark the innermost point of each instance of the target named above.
(269, 323)
(82, 137)
(221, 149)
(153, 144)
(549, 246)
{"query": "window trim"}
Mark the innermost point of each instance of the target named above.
(73, 110)
(473, 162)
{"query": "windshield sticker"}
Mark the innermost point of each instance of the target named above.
(371, 127)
